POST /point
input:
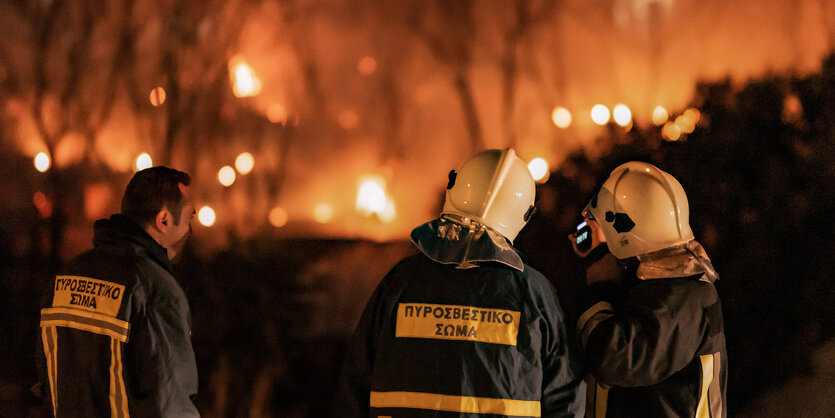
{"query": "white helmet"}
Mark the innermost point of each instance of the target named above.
(493, 188)
(641, 209)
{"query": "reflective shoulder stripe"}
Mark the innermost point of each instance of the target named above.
(601, 401)
(594, 310)
(710, 399)
(99, 324)
(715, 392)
(86, 321)
(586, 318)
(118, 394)
(50, 350)
(451, 403)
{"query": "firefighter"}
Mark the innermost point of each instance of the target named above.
(651, 330)
(465, 327)
(115, 327)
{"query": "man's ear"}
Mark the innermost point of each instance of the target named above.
(163, 219)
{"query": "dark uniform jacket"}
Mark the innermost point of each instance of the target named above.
(440, 341)
(655, 350)
(115, 331)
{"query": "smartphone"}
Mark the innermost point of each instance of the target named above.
(582, 237)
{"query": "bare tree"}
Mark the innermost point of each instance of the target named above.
(448, 29)
(87, 58)
(527, 16)
(73, 88)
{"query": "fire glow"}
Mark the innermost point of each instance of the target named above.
(244, 81)
(372, 198)
(319, 116)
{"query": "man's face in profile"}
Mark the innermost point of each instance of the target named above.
(181, 230)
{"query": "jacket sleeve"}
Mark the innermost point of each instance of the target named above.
(651, 335)
(165, 370)
(353, 396)
(563, 389)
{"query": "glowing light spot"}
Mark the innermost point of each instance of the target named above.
(685, 123)
(367, 65)
(693, 113)
(389, 213)
(323, 213)
(143, 161)
(792, 108)
(244, 163)
(670, 132)
(157, 96)
(244, 81)
(42, 162)
(43, 205)
(348, 119)
(206, 216)
(660, 115)
(600, 114)
(277, 113)
(278, 217)
(561, 117)
(622, 115)
(693, 116)
(371, 195)
(538, 168)
(226, 175)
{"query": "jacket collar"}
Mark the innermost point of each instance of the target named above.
(446, 240)
(121, 230)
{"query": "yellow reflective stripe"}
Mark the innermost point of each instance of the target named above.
(50, 344)
(590, 312)
(121, 376)
(118, 324)
(703, 409)
(601, 401)
(86, 321)
(118, 394)
(710, 400)
(112, 370)
(715, 392)
(586, 324)
(451, 403)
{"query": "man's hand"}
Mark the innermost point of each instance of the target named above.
(606, 269)
(597, 238)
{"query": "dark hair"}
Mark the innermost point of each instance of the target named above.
(151, 190)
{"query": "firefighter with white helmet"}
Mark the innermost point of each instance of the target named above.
(645, 210)
(465, 327)
(494, 189)
(652, 332)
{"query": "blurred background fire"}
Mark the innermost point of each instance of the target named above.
(320, 132)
